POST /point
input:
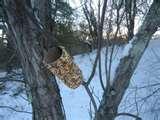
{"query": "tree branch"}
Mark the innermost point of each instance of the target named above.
(109, 104)
(91, 96)
(128, 114)
(11, 108)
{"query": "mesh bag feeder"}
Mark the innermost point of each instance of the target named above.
(65, 69)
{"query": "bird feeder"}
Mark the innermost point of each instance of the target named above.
(65, 69)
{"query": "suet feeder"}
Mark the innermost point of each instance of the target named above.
(64, 68)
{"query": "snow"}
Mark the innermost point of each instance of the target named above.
(127, 48)
(146, 74)
(8, 98)
(77, 103)
(121, 54)
(2, 74)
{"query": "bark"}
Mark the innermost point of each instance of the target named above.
(45, 13)
(110, 102)
(46, 99)
(130, 9)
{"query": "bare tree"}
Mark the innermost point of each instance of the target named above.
(28, 34)
(111, 100)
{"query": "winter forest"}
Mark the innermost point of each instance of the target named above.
(79, 60)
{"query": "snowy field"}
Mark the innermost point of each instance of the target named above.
(141, 98)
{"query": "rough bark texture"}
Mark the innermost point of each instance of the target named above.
(130, 9)
(110, 102)
(46, 100)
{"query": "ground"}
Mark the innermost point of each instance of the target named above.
(142, 92)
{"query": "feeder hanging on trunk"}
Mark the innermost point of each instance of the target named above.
(63, 67)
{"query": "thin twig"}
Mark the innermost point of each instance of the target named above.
(97, 97)
(93, 70)
(7, 79)
(91, 96)
(137, 109)
(130, 115)
(11, 108)
(106, 51)
(99, 47)
(144, 98)
(146, 86)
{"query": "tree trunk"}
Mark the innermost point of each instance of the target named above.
(110, 102)
(46, 100)
(130, 9)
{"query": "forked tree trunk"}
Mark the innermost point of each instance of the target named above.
(46, 100)
(110, 102)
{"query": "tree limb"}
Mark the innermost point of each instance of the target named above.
(130, 115)
(110, 102)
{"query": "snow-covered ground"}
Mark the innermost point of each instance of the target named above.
(13, 97)
(142, 92)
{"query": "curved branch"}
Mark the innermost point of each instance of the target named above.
(91, 96)
(128, 114)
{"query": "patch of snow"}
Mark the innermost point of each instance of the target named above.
(121, 54)
(127, 48)
(2, 74)
(16, 102)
